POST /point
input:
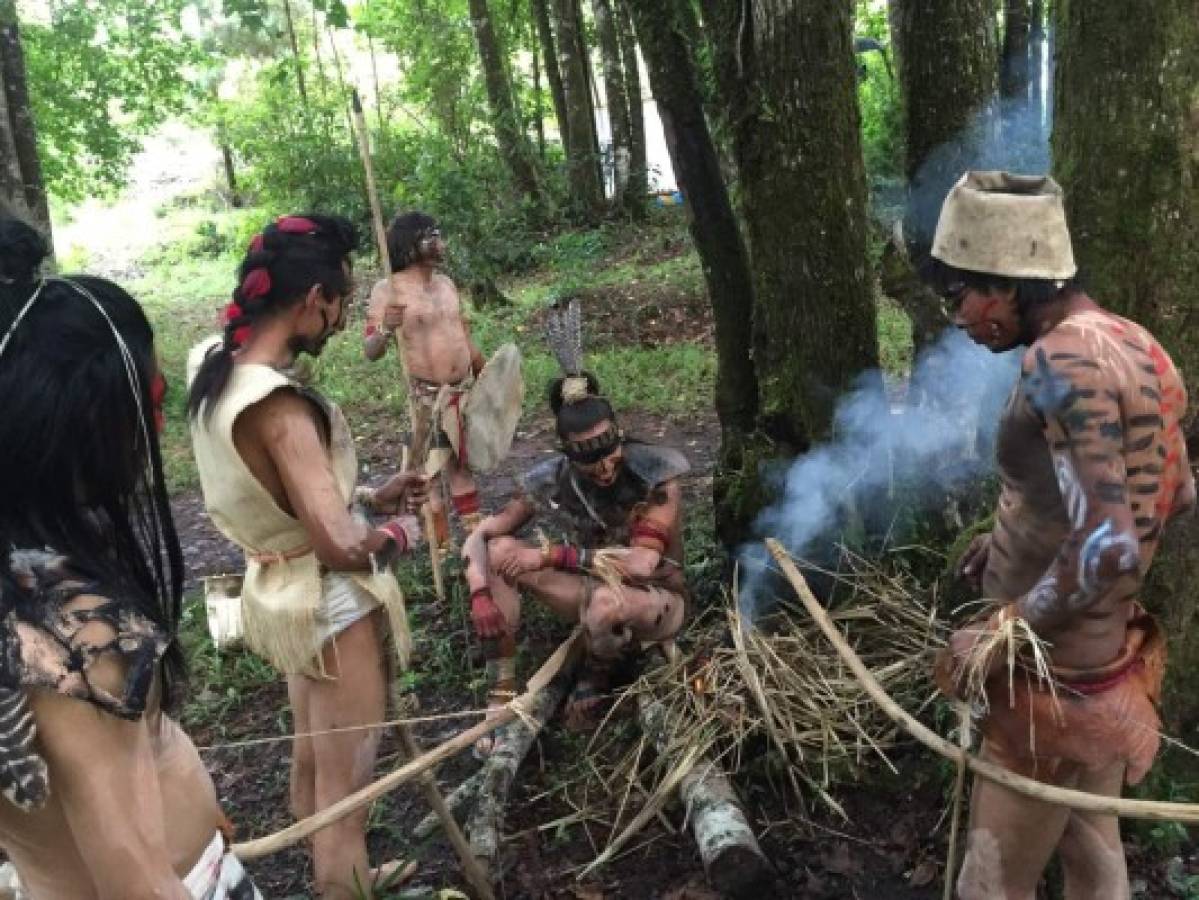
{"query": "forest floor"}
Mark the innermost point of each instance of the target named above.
(649, 330)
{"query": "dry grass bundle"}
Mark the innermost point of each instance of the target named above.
(781, 685)
(1021, 649)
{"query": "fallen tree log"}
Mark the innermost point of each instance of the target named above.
(486, 823)
(733, 861)
(297, 831)
(1154, 810)
(454, 800)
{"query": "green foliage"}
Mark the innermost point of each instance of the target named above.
(879, 96)
(101, 74)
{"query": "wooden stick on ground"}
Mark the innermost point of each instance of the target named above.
(959, 788)
(297, 831)
(733, 861)
(476, 875)
(454, 800)
(486, 823)
(372, 194)
(1155, 810)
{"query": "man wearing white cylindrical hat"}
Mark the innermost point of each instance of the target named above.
(1093, 466)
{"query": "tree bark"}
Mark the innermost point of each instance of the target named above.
(21, 183)
(513, 144)
(619, 117)
(798, 149)
(710, 217)
(948, 74)
(592, 91)
(230, 175)
(636, 195)
(538, 98)
(1126, 149)
(587, 195)
(553, 74)
(1013, 66)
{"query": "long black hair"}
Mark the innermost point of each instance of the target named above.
(283, 263)
(1030, 293)
(80, 467)
(404, 235)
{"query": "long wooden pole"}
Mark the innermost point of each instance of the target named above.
(1155, 810)
(298, 831)
(372, 194)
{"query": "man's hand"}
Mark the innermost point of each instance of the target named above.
(525, 559)
(974, 561)
(489, 622)
(404, 532)
(393, 317)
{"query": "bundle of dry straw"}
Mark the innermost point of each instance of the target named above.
(777, 681)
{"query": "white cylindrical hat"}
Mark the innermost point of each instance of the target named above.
(1004, 224)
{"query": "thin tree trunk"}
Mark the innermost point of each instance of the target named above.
(1013, 65)
(513, 144)
(316, 52)
(713, 228)
(553, 74)
(538, 99)
(947, 49)
(1126, 148)
(592, 92)
(587, 193)
(230, 174)
(635, 197)
(18, 144)
(619, 117)
(370, 43)
(295, 52)
(798, 147)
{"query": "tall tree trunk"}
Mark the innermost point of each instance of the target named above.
(798, 147)
(295, 53)
(513, 144)
(21, 184)
(1126, 148)
(538, 100)
(619, 117)
(592, 90)
(1013, 65)
(379, 115)
(948, 66)
(553, 74)
(587, 193)
(635, 197)
(712, 223)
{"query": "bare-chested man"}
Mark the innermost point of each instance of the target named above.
(1093, 467)
(104, 796)
(277, 466)
(423, 308)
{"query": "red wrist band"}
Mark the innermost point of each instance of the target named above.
(396, 532)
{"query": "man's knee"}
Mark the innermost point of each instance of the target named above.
(607, 627)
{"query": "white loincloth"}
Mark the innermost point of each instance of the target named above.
(218, 875)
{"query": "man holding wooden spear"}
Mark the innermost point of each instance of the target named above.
(1093, 465)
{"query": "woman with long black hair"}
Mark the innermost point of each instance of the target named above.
(105, 797)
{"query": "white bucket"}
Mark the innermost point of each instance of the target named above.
(222, 600)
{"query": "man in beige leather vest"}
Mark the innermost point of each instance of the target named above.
(278, 467)
(1093, 466)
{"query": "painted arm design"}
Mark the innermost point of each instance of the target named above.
(1085, 428)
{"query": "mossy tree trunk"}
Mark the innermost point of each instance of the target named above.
(586, 190)
(713, 226)
(1013, 64)
(514, 146)
(948, 75)
(21, 185)
(796, 139)
(1126, 149)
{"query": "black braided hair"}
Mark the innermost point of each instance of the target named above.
(293, 262)
(577, 417)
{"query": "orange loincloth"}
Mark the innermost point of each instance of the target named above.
(1100, 716)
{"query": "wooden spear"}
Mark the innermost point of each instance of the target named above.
(372, 194)
(304, 828)
(1155, 810)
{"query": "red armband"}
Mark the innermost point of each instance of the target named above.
(370, 331)
(564, 556)
(646, 534)
(396, 532)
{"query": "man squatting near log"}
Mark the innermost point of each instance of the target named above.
(423, 308)
(104, 795)
(603, 493)
(277, 466)
(1093, 465)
